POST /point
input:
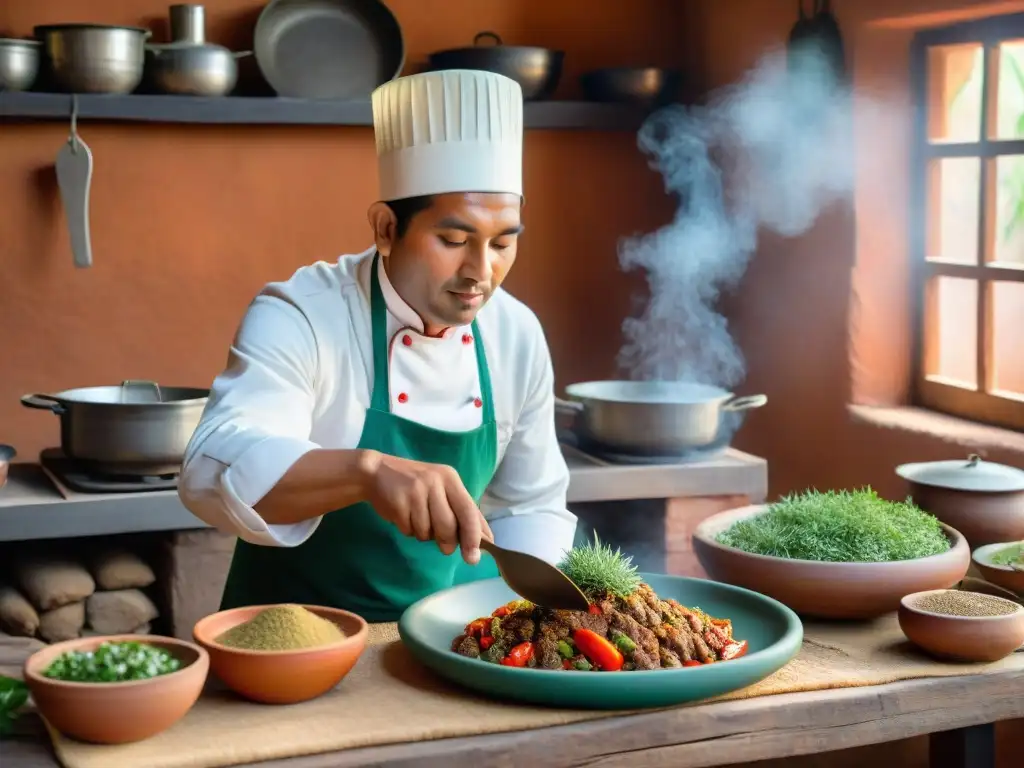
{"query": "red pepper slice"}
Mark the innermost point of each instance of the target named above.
(598, 650)
(693, 663)
(478, 628)
(519, 656)
(594, 609)
(502, 611)
(566, 664)
(486, 642)
(734, 650)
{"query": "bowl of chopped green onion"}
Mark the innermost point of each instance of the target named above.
(834, 554)
(116, 689)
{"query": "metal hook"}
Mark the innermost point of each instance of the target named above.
(73, 138)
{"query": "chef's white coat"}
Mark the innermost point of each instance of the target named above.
(298, 378)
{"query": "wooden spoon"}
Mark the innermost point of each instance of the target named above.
(536, 580)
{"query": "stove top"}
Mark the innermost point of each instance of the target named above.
(83, 478)
(600, 454)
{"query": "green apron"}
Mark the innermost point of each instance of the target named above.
(355, 560)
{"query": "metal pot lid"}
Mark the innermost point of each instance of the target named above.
(970, 475)
(649, 392)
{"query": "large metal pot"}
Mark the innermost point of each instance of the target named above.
(137, 428)
(651, 418)
(94, 58)
(981, 499)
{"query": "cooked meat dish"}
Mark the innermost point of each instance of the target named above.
(636, 632)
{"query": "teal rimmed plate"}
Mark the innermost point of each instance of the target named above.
(773, 631)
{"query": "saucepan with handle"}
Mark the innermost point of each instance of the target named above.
(137, 428)
(650, 418)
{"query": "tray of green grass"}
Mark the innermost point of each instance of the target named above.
(834, 554)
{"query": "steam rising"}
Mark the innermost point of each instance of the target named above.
(786, 128)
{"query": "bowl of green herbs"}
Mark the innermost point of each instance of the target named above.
(116, 689)
(1002, 564)
(832, 554)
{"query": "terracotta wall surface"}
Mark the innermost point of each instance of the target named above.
(188, 222)
(843, 289)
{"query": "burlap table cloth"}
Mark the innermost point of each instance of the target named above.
(389, 698)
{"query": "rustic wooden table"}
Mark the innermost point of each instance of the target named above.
(958, 712)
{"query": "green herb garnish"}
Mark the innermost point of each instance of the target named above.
(599, 570)
(113, 663)
(13, 695)
(839, 527)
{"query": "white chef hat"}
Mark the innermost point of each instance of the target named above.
(449, 131)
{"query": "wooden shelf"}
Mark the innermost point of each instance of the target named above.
(243, 110)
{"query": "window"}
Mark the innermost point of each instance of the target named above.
(968, 219)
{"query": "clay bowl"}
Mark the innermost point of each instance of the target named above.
(1001, 575)
(826, 590)
(961, 638)
(282, 677)
(117, 713)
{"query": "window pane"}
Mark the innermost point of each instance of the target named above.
(1010, 97)
(1008, 337)
(1008, 245)
(953, 204)
(956, 75)
(951, 333)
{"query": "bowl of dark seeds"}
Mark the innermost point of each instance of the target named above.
(957, 625)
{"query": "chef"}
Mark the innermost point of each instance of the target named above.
(381, 414)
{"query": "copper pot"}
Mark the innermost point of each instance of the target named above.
(981, 499)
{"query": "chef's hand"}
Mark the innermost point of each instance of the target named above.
(427, 501)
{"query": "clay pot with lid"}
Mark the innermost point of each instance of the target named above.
(981, 499)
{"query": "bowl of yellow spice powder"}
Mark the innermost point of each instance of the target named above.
(281, 654)
(958, 625)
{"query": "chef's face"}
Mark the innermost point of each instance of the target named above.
(452, 255)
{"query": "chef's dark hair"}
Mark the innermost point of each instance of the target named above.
(405, 209)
